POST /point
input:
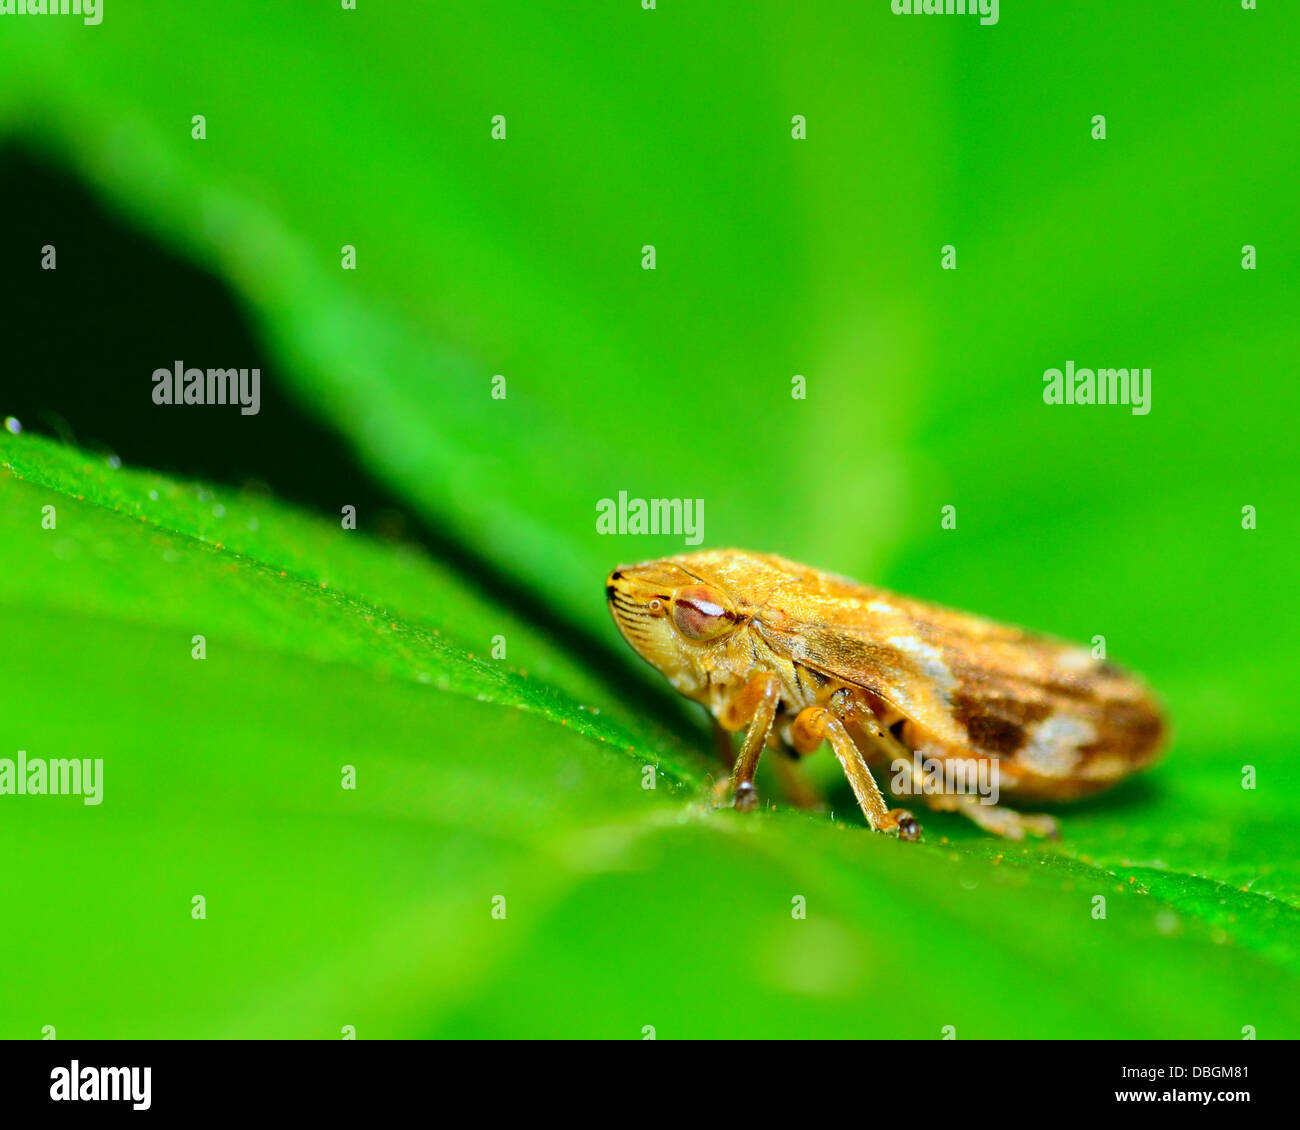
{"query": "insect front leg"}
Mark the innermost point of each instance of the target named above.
(815, 724)
(754, 704)
(794, 785)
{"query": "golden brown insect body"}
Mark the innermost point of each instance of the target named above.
(795, 655)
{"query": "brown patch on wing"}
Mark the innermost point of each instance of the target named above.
(995, 723)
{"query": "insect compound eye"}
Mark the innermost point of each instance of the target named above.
(702, 613)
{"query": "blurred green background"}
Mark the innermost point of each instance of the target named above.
(522, 777)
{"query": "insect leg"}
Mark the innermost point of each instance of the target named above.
(815, 724)
(995, 818)
(755, 704)
(1004, 821)
(796, 788)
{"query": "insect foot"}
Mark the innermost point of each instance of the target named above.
(742, 797)
(1041, 825)
(905, 822)
(1009, 823)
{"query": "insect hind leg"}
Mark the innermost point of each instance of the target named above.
(753, 705)
(995, 818)
(1007, 822)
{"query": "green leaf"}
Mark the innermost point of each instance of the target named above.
(775, 258)
(624, 906)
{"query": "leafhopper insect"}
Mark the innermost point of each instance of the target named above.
(796, 657)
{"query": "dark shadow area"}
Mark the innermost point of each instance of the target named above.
(1137, 794)
(83, 341)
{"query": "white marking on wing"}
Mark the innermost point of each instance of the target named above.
(929, 660)
(1053, 747)
(1075, 660)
